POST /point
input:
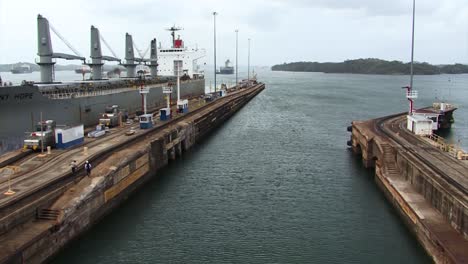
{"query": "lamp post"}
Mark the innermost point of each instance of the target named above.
(410, 93)
(237, 52)
(248, 63)
(214, 20)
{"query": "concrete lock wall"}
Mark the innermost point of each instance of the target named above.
(409, 217)
(411, 186)
(441, 197)
(122, 173)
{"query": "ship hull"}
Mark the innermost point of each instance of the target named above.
(81, 71)
(21, 107)
(446, 119)
(226, 70)
(14, 71)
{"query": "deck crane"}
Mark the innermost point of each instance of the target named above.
(96, 54)
(130, 60)
(45, 51)
(153, 58)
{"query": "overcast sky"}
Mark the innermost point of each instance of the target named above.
(281, 30)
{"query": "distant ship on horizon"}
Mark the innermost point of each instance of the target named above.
(23, 68)
(83, 69)
(227, 69)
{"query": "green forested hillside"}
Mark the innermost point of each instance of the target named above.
(371, 66)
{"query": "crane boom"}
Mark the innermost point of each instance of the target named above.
(107, 45)
(138, 50)
(146, 51)
(65, 41)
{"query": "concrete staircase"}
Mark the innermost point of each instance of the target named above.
(389, 161)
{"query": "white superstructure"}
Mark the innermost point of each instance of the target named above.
(169, 59)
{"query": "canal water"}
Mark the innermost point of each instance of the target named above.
(276, 183)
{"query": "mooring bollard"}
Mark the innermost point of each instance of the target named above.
(48, 150)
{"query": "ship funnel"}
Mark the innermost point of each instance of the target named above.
(154, 59)
(44, 49)
(96, 54)
(129, 56)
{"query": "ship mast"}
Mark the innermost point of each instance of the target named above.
(173, 30)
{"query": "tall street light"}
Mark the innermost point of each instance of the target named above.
(214, 20)
(412, 45)
(248, 63)
(237, 52)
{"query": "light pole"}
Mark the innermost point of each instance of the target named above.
(412, 45)
(214, 20)
(237, 44)
(248, 63)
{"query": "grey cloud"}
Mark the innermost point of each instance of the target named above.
(266, 19)
(136, 11)
(328, 30)
(369, 7)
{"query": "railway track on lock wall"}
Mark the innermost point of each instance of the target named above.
(69, 152)
(393, 127)
(28, 179)
(27, 156)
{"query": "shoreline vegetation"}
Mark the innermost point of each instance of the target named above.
(372, 66)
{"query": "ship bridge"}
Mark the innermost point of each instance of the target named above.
(178, 56)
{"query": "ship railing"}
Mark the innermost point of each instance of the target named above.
(68, 94)
(454, 150)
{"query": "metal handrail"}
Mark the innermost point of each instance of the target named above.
(85, 93)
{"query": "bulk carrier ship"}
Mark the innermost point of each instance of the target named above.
(81, 102)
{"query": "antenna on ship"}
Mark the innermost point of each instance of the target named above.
(173, 30)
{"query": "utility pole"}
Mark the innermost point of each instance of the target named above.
(412, 45)
(214, 20)
(237, 52)
(248, 63)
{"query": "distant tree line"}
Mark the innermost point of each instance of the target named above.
(371, 66)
